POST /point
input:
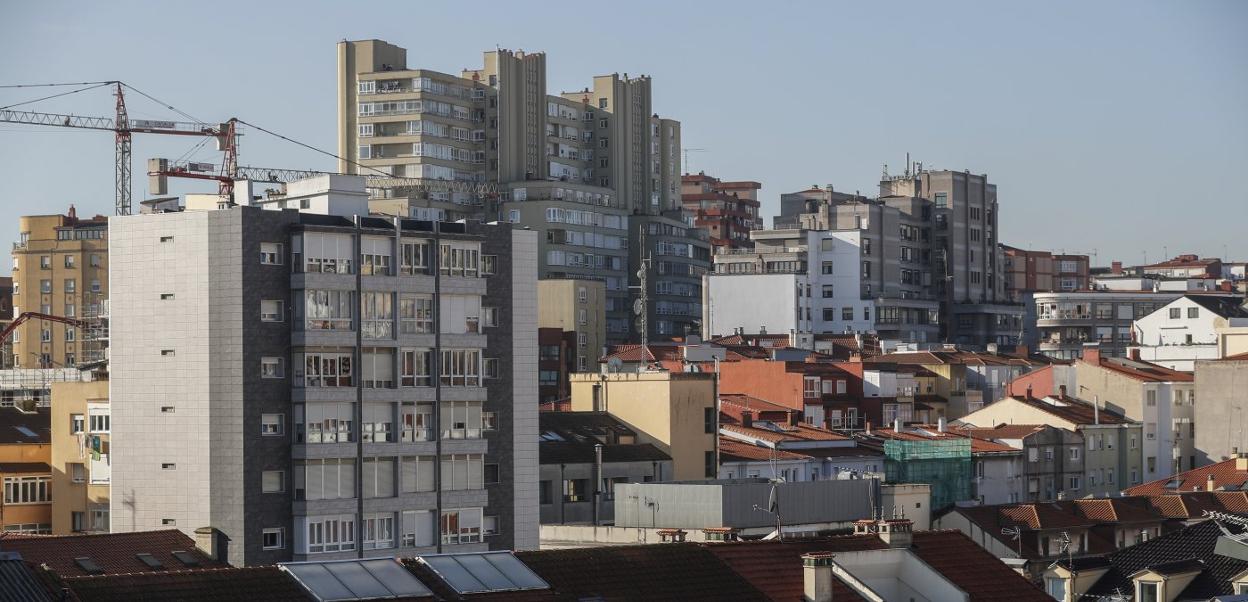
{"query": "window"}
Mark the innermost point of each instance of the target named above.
(45, 286)
(1147, 592)
(330, 534)
(489, 421)
(575, 490)
(827, 291)
(847, 313)
(377, 315)
(78, 472)
(45, 262)
(95, 261)
(378, 531)
(325, 369)
(69, 261)
(1193, 312)
(415, 368)
(323, 252)
(415, 314)
(810, 387)
(273, 481)
(710, 467)
(709, 420)
(461, 526)
(1150, 397)
(461, 368)
(1056, 587)
(377, 477)
(1176, 313)
(941, 200)
(97, 418)
(489, 317)
(271, 253)
(273, 538)
(28, 490)
(414, 257)
(324, 423)
(71, 285)
(76, 423)
(271, 310)
(272, 424)
(95, 286)
(488, 264)
(374, 256)
(462, 472)
(272, 367)
(416, 474)
(461, 419)
(460, 259)
(325, 479)
(1074, 454)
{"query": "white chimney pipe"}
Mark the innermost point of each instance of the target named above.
(940, 424)
(1096, 409)
(896, 425)
(817, 577)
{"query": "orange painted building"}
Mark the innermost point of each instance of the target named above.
(25, 471)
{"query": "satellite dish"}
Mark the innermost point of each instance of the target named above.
(615, 364)
(639, 307)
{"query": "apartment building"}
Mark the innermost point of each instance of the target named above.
(1221, 383)
(966, 262)
(1112, 457)
(1184, 331)
(492, 144)
(1162, 399)
(675, 256)
(60, 267)
(728, 211)
(1067, 320)
(813, 283)
(81, 457)
(1185, 266)
(577, 307)
(324, 386)
(1042, 271)
(1054, 462)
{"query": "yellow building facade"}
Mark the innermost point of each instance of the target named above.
(81, 466)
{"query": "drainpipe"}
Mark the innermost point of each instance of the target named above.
(597, 480)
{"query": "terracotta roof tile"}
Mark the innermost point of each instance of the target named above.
(1224, 475)
(267, 583)
(113, 552)
(1145, 371)
(731, 450)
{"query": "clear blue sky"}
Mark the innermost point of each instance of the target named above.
(1115, 126)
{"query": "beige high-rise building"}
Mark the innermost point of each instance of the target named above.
(575, 306)
(81, 470)
(491, 143)
(60, 268)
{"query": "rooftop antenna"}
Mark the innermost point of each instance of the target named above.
(1015, 533)
(907, 164)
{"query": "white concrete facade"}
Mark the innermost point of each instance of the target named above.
(1179, 333)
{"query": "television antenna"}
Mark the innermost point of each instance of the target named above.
(1015, 533)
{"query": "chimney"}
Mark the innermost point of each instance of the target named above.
(1061, 391)
(940, 424)
(1022, 350)
(747, 418)
(1241, 461)
(1135, 353)
(992, 348)
(213, 543)
(896, 532)
(817, 576)
(896, 425)
(1116, 267)
(1028, 390)
(867, 428)
(73, 214)
(795, 418)
(1092, 353)
(1211, 484)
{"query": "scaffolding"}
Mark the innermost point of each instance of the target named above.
(945, 464)
(94, 330)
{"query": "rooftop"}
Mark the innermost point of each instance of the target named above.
(1227, 307)
(17, 426)
(1226, 475)
(1072, 410)
(1143, 371)
(1185, 551)
(109, 553)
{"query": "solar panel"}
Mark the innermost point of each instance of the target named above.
(369, 579)
(483, 572)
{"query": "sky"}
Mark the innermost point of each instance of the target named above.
(1117, 128)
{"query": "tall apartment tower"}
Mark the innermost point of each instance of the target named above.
(324, 386)
(60, 267)
(492, 144)
(967, 261)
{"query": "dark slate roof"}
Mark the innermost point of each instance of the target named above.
(676, 571)
(1227, 307)
(15, 426)
(1176, 551)
(266, 583)
(112, 552)
(569, 438)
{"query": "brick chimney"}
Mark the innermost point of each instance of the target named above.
(1092, 354)
(747, 418)
(1211, 484)
(1134, 353)
(1061, 391)
(817, 577)
(1116, 267)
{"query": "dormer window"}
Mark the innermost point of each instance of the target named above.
(1147, 592)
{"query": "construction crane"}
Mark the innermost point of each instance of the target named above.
(34, 315)
(124, 128)
(159, 169)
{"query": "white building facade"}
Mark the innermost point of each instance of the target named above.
(1185, 330)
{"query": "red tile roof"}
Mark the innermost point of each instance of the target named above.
(1224, 475)
(776, 567)
(1001, 431)
(674, 571)
(741, 401)
(1239, 357)
(799, 432)
(113, 552)
(267, 583)
(1072, 410)
(731, 450)
(1145, 371)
